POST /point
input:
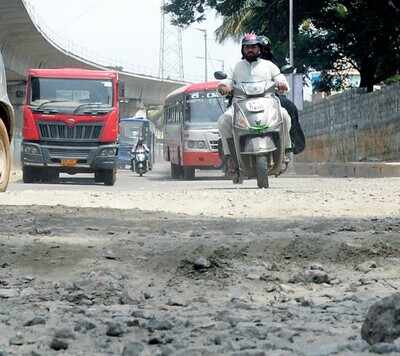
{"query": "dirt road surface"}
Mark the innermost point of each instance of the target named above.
(154, 266)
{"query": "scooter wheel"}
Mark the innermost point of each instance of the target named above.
(262, 172)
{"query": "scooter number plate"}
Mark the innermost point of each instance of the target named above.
(254, 106)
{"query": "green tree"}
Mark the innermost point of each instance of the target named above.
(329, 34)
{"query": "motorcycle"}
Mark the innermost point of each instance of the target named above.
(260, 132)
(140, 162)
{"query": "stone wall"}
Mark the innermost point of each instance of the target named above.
(353, 126)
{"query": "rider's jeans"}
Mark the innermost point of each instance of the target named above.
(225, 128)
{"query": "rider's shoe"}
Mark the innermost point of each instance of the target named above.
(286, 158)
(237, 178)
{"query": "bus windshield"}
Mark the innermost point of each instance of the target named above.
(204, 107)
(130, 132)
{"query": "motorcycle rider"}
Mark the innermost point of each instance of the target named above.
(296, 132)
(250, 68)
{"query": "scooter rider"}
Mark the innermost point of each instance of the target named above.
(296, 132)
(141, 146)
(250, 68)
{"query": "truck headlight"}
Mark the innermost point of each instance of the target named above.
(31, 150)
(108, 152)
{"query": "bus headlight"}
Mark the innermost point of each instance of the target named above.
(201, 144)
(195, 144)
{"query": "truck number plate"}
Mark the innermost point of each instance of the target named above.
(254, 106)
(69, 162)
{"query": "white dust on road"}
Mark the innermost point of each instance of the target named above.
(288, 197)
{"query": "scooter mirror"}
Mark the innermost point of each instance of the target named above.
(220, 75)
(287, 68)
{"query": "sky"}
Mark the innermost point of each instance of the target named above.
(127, 33)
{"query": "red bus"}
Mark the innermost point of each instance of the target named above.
(190, 128)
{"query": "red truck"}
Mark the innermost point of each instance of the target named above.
(71, 119)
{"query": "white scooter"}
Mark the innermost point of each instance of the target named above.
(260, 132)
(140, 162)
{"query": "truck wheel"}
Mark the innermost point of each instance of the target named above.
(110, 176)
(99, 176)
(28, 174)
(5, 157)
(262, 171)
(55, 175)
(188, 173)
(49, 174)
(176, 171)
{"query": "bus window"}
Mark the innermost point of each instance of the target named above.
(169, 116)
(180, 113)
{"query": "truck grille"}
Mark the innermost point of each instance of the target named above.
(69, 153)
(60, 131)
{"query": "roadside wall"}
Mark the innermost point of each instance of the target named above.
(353, 126)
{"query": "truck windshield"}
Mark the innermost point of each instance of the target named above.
(57, 91)
(204, 107)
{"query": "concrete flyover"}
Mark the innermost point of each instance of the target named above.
(25, 43)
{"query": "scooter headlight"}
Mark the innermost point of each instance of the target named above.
(141, 157)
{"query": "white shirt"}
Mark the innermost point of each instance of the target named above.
(258, 70)
(143, 147)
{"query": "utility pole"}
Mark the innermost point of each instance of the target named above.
(291, 32)
(161, 67)
(205, 53)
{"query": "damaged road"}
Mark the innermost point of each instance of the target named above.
(101, 281)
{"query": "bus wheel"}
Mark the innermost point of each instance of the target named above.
(5, 157)
(188, 173)
(176, 171)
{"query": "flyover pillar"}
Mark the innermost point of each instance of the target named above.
(16, 94)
